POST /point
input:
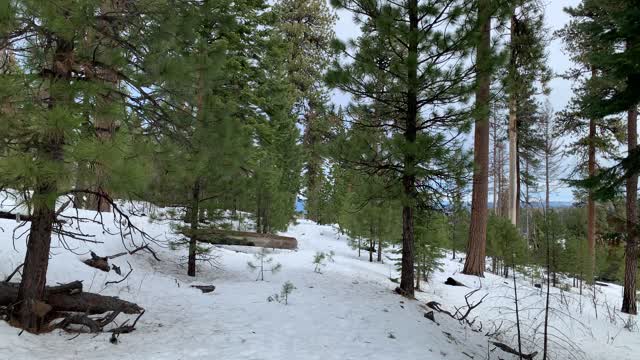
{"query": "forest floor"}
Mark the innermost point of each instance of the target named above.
(349, 311)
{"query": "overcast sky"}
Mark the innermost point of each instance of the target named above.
(555, 19)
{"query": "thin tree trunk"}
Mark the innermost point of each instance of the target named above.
(513, 132)
(591, 206)
(194, 219)
(513, 156)
(515, 294)
(379, 249)
(418, 272)
(546, 307)
(495, 172)
(631, 251)
(474, 264)
(527, 204)
(547, 181)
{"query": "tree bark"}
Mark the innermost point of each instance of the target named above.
(591, 206)
(495, 172)
(408, 179)
(193, 239)
(513, 158)
(513, 130)
(631, 251)
(475, 261)
(34, 276)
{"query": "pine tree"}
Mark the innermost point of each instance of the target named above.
(59, 82)
(476, 248)
(415, 83)
(605, 26)
(526, 69)
(307, 28)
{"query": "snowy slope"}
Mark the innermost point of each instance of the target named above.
(347, 312)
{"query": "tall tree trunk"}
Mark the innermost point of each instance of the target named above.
(418, 272)
(513, 159)
(591, 206)
(34, 276)
(194, 213)
(513, 132)
(631, 251)
(495, 172)
(408, 179)
(518, 185)
(526, 204)
(474, 264)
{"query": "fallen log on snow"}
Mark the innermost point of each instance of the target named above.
(204, 288)
(102, 262)
(70, 298)
(243, 238)
(453, 282)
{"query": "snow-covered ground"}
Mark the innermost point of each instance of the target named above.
(348, 312)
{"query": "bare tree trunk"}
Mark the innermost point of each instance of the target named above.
(513, 133)
(515, 294)
(34, 277)
(408, 179)
(379, 249)
(546, 307)
(526, 204)
(513, 156)
(418, 273)
(476, 248)
(591, 206)
(194, 219)
(631, 251)
(495, 169)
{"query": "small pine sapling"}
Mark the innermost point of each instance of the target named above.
(283, 297)
(320, 260)
(263, 263)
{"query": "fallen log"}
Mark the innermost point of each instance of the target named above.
(243, 238)
(102, 262)
(510, 350)
(453, 282)
(98, 262)
(204, 288)
(70, 298)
